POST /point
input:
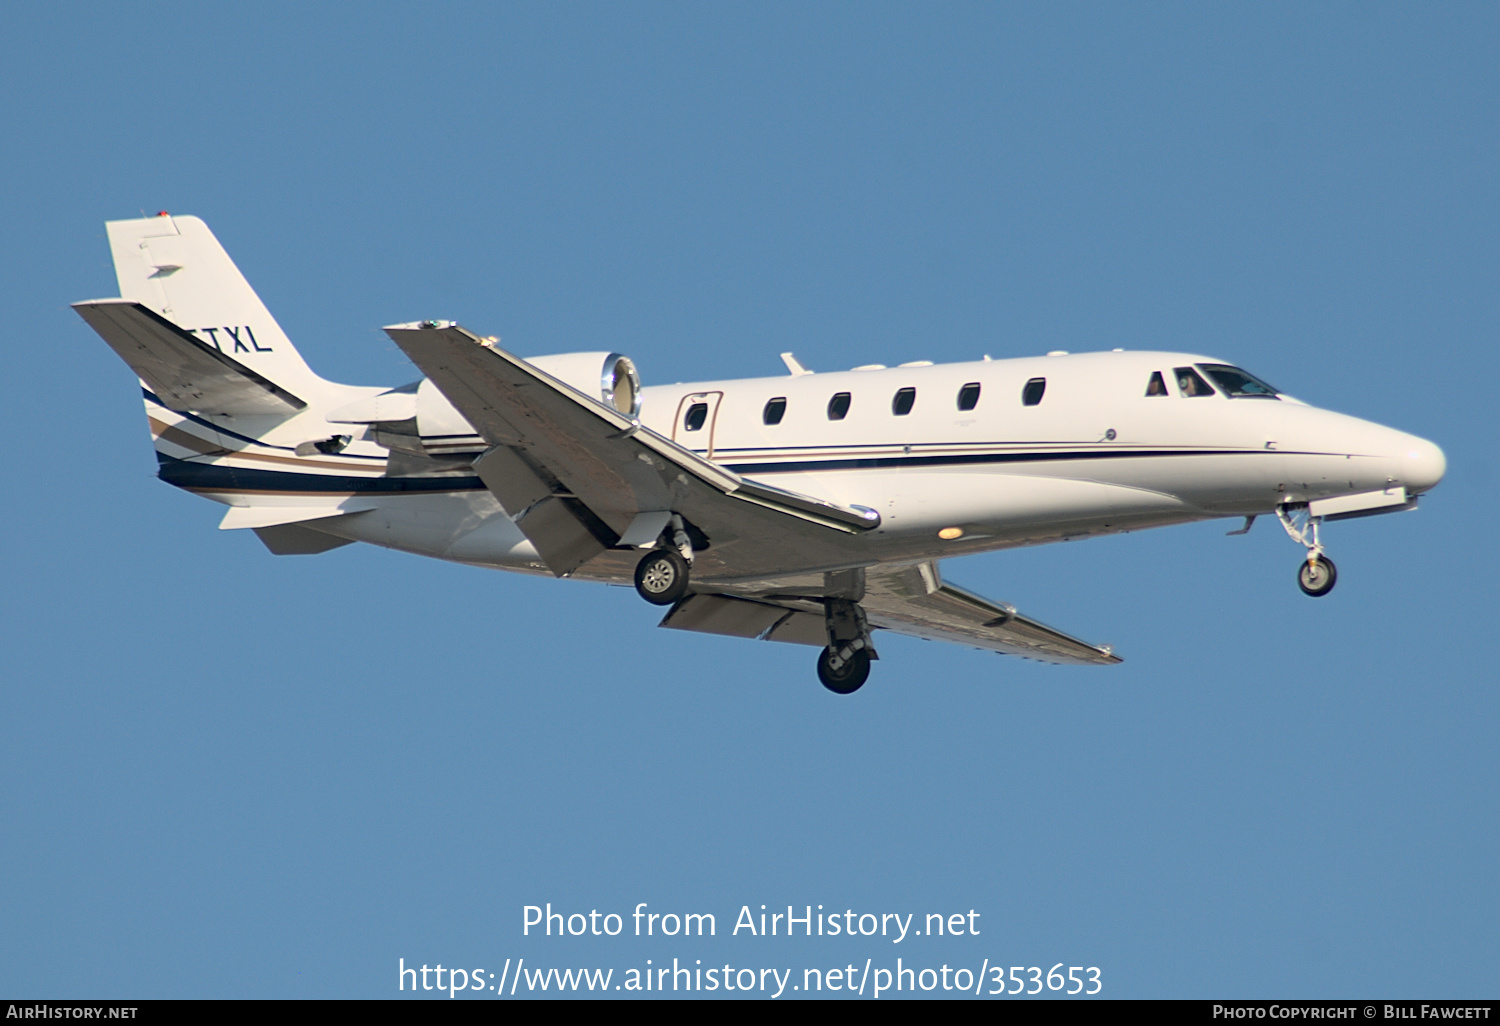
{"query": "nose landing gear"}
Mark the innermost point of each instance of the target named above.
(1317, 575)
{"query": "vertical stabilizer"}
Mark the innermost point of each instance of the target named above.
(175, 267)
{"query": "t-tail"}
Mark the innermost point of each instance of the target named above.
(235, 412)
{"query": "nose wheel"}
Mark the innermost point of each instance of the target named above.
(1317, 576)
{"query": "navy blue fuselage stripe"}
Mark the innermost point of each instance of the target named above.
(213, 476)
(217, 477)
(969, 459)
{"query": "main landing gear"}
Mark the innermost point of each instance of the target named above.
(843, 675)
(845, 664)
(661, 577)
(1317, 575)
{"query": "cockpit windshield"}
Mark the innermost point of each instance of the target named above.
(1238, 384)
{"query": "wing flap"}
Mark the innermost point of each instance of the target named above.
(722, 614)
(565, 535)
(746, 618)
(185, 373)
(799, 628)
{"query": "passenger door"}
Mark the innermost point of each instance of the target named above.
(697, 415)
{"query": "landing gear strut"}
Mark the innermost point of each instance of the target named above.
(845, 664)
(1318, 575)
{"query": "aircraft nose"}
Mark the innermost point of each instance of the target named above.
(1423, 464)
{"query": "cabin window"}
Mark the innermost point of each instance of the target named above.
(838, 406)
(1190, 384)
(1238, 384)
(901, 405)
(968, 396)
(696, 415)
(1032, 393)
(1156, 386)
(775, 410)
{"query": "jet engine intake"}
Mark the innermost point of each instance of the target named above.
(608, 377)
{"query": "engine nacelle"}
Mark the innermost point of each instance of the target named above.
(608, 377)
(418, 419)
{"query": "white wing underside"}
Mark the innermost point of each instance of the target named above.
(897, 600)
(578, 476)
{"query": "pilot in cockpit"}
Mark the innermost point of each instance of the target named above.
(1190, 385)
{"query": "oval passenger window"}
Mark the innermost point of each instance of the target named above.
(696, 415)
(838, 406)
(902, 404)
(968, 396)
(1032, 393)
(775, 410)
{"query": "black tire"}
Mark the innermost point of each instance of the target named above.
(848, 678)
(1318, 577)
(661, 577)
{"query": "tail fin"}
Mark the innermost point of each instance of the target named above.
(235, 413)
(175, 267)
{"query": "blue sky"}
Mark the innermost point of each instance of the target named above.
(228, 774)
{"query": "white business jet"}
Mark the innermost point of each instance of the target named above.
(811, 508)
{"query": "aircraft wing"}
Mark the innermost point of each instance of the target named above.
(579, 477)
(902, 602)
(911, 600)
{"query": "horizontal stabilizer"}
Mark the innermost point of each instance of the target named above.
(296, 540)
(186, 373)
(240, 517)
